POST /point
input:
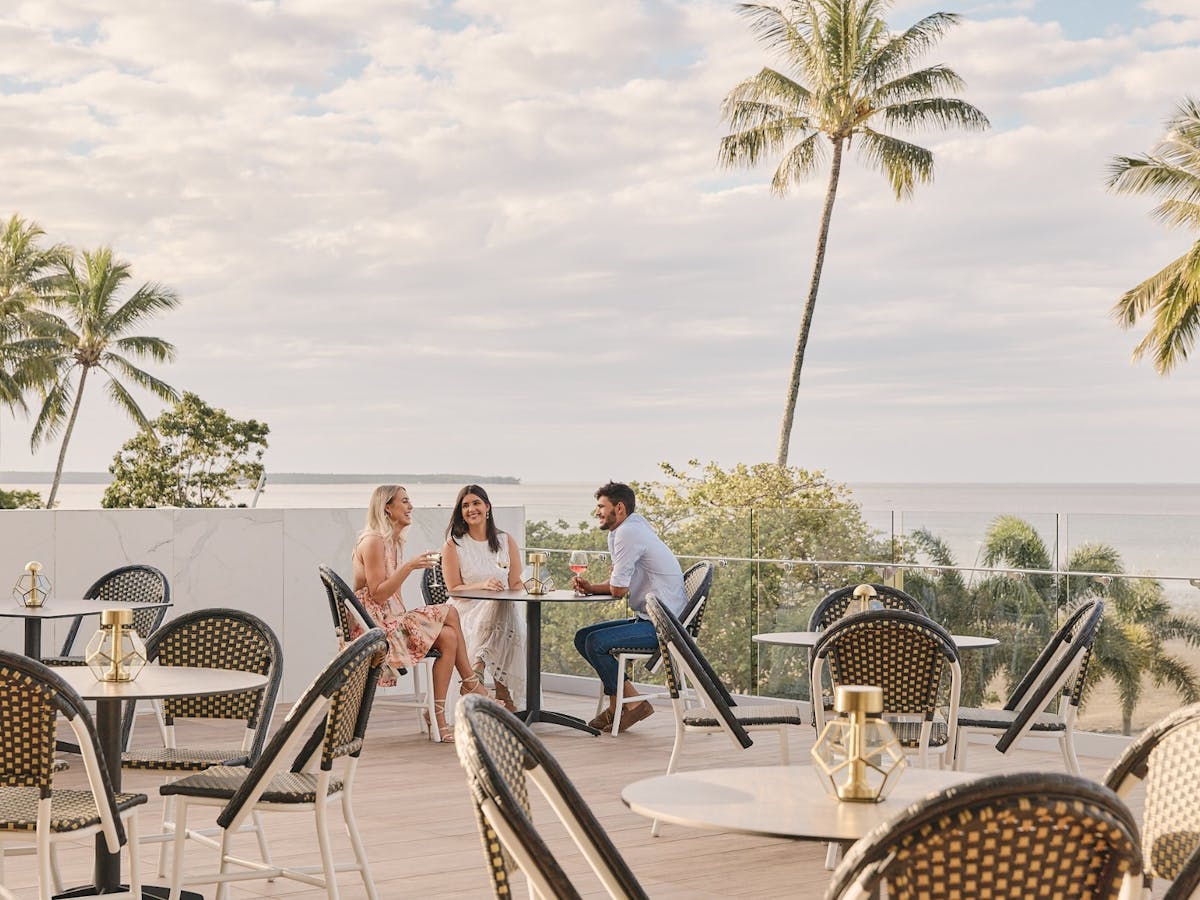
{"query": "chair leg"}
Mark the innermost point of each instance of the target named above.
(1067, 743)
(360, 853)
(260, 834)
(331, 888)
(168, 826)
(223, 886)
(177, 858)
(55, 873)
(45, 876)
(133, 839)
(960, 751)
(833, 855)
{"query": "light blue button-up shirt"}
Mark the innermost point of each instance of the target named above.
(644, 564)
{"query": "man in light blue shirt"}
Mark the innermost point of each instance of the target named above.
(641, 564)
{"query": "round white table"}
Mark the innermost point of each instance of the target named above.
(776, 801)
(152, 683)
(55, 608)
(810, 638)
(533, 711)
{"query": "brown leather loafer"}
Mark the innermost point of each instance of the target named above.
(631, 715)
(604, 721)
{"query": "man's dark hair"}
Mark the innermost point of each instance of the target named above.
(618, 493)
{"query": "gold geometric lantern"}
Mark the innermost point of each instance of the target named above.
(32, 588)
(866, 599)
(116, 652)
(859, 756)
(540, 581)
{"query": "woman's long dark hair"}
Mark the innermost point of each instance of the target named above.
(458, 525)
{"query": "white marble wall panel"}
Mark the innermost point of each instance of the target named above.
(261, 560)
(25, 535)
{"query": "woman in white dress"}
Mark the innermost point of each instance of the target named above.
(479, 557)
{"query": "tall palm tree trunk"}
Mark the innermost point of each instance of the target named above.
(62, 453)
(789, 412)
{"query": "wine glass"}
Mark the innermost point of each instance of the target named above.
(578, 562)
(502, 565)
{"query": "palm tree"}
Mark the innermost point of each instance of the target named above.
(850, 74)
(93, 333)
(27, 272)
(1171, 296)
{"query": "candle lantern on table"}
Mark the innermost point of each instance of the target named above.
(865, 599)
(539, 582)
(32, 588)
(857, 753)
(116, 651)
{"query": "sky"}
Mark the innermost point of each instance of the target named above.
(492, 236)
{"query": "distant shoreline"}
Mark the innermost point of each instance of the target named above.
(282, 478)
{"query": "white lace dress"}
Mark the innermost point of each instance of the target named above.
(494, 629)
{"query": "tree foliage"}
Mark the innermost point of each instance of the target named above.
(193, 456)
(1170, 298)
(20, 499)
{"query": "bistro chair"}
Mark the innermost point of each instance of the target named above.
(351, 618)
(711, 709)
(1058, 672)
(294, 773)
(1008, 837)
(128, 584)
(32, 697)
(211, 639)
(697, 583)
(835, 604)
(1166, 760)
(907, 655)
(433, 586)
(1186, 885)
(501, 756)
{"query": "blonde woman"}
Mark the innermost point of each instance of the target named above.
(378, 574)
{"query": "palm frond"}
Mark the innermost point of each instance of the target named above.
(935, 112)
(53, 414)
(140, 377)
(768, 88)
(1166, 669)
(154, 348)
(1171, 297)
(147, 301)
(123, 399)
(917, 85)
(903, 163)
(904, 48)
(798, 163)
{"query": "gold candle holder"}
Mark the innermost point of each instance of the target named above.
(32, 588)
(858, 755)
(538, 583)
(116, 651)
(863, 595)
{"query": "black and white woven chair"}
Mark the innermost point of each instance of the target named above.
(697, 584)
(1166, 760)
(351, 617)
(32, 696)
(501, 756)
(835, 604)
(912, 659)
(294, 773)
(211, 639)
(1008, 837)
(128, 584)
(1058, 673)
(433, 586)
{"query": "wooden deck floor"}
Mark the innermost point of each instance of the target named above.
(417, 822)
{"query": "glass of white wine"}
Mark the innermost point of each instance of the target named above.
(502, 565)
(578, 564)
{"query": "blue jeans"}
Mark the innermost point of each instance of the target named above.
(595, 641)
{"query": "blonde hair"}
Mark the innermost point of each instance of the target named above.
(377, 518)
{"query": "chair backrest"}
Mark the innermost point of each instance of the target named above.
(1065, 670)
(1056, 647)
(343, 692)
(1186, 885)
(32, 696)
(682, 659)
(433, 586)
(834, 606)
(498, 753)
(1166, 758)
(128, 584)
(1007, 837)
(221, 639)
(904, 653)
(697, 585)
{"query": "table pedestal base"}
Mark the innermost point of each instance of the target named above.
(530, 716)
(149, 892)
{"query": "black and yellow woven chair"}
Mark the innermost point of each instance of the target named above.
(351, 617)
(1166, 760)
(501, 756)
(1186, 885)
(913, 660)
(212, 639)
(1049, 835)
(707, 707)
(834, 605)
(1058, 673)
(128, 584)
(697, 584)
(32, 697)
(294, 773)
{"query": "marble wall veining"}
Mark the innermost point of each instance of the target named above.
(260, 560)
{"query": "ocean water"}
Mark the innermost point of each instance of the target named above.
(1156, 527)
